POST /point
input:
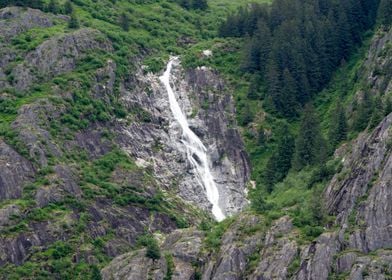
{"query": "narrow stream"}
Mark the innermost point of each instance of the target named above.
(196, 151)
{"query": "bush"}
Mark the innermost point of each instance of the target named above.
(60, 250)
(148, 241)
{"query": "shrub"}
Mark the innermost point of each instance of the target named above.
(148, 241)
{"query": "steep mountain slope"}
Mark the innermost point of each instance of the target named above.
(357, 240)
(92, 158)
(95, 181)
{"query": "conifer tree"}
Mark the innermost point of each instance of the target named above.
(261, 139)
(37, 4)
(388, 106)
(288, 104)
(251, 55)
(338, 129)
(186, 4)
(279, 163)
(264, 39)
(124, 21)
(253, 90)
(200, 4)
(363, 112)
(73, 21)
(68, 8)
(274, 89)
(385, 13)
(310, 145)
(378, 112)
(53, 7)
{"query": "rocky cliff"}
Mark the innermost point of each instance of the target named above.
(207, 102)
(355, 245)
(91, 161)
(85, 152)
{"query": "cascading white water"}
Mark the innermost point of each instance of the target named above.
(196, 151)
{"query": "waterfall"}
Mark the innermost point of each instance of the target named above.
(196, 151)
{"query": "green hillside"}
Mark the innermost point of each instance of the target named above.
(98, 202)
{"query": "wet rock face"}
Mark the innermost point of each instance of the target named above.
(15, 171)
(157, 139)
(230, 162)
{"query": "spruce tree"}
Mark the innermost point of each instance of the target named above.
(270, 173)
(363, 112)
(338, 126)
(288, 104)
(264, 39)
(124, 21)
(200, 4)
(279, 163)
(251, 55)
(73, 21)
(253, 90)
(385, 13)
(68, 8)
(310, 145)
(388, 106)
(35, 4)
(261, 139)
(53, 7)
(274, 90)
(378, 112)
(186, 4)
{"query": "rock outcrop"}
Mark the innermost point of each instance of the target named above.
(15, 20)
(157, 141)
(359, 195)
(57, 56)
(15, 171)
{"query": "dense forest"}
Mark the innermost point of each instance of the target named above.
(293, 47)
(291, 51)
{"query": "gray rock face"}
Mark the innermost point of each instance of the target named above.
(91, 141)
(278, 252)
(157, 141)
(216, 110)
(6, 214)
(231, 261)
(15, 20)
(358, 267)
(62, 183)
(32, 128)
(317, 257)
(15, 171)
(135, 266)
(378, 61)
(57, 56)
(366, 190)
(184, 247)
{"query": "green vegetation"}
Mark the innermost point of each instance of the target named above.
(294, 53)
(310, 147)
(151, 244)
(273, 69)
(170, 266)
(214, 234)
